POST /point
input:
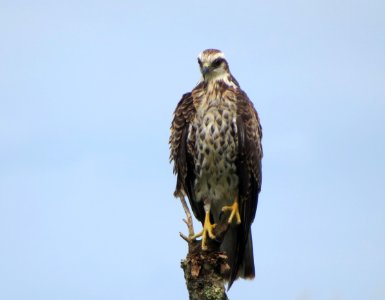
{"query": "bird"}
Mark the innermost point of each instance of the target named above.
(215, 145)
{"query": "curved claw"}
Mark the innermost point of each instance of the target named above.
(234, 208)
(206, 231)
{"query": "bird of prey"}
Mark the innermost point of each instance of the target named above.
(215, 144)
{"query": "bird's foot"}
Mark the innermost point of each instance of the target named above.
(207, 231)
(234, 209)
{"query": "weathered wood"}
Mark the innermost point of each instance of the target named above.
(206, 272)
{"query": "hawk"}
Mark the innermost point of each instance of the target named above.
(215, 144)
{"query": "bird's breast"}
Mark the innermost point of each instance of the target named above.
(214, 136)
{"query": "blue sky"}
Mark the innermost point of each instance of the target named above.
(87, 91)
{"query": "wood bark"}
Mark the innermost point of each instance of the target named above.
(206, 272)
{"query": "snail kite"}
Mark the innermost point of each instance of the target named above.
(216, 147)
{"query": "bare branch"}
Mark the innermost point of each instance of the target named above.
(205, 272)
(189, 221)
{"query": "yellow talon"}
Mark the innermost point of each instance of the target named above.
(234, 208)
(207, 230)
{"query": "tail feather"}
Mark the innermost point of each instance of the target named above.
(240, 255)
(247, 269)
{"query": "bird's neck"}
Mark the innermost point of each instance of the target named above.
(213, 83)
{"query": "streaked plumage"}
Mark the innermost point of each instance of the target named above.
(216, 147)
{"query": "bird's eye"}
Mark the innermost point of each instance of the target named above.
(199, 62)
(216, 63)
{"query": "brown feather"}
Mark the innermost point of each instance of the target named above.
(245, 136)
(250, 178)
(181, 154)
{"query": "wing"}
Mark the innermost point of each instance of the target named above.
(182, 155)
(250, 154)
(249, 170)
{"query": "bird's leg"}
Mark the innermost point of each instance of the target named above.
(234, 208)
(207, 230)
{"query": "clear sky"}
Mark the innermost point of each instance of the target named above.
(87, 91)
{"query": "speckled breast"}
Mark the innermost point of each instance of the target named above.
(214, 134)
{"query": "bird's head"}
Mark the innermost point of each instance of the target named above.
(213, 65)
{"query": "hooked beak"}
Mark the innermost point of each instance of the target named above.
(205, 70)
